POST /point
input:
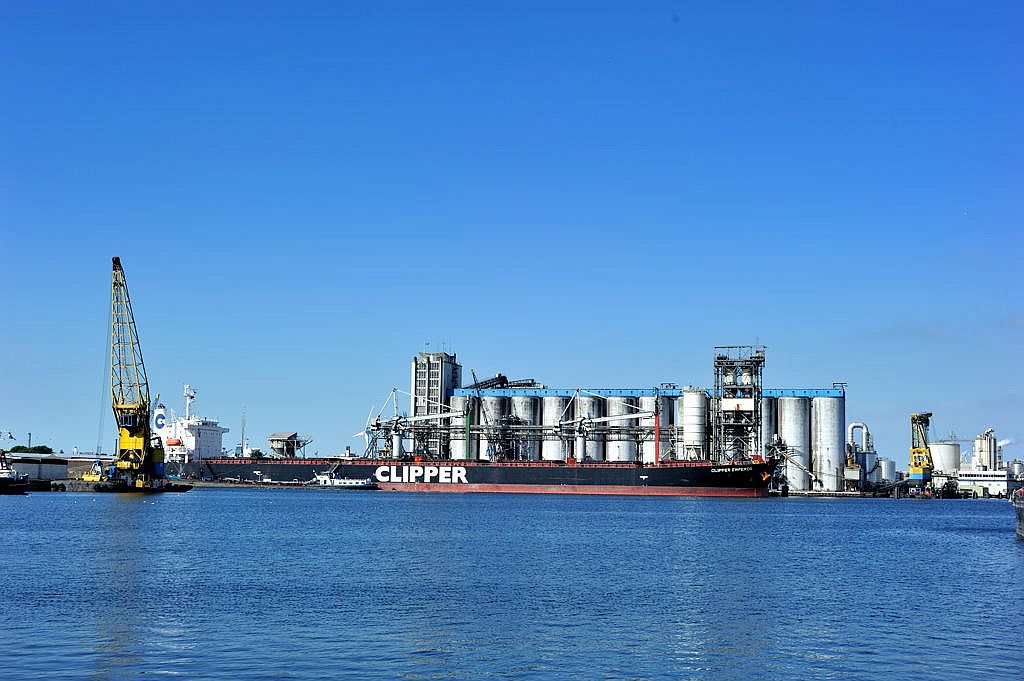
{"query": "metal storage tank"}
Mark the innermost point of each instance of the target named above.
(794, 415)
(693, 417)
(872, 469)
(1016, 468)
(888, 467)
(620, 445)
(828, 441)
(553, 447)
(590, 407)
(492, 408)
(457, 432)
(769, 425)
(945, 456)
(664, 405)
(528, 409)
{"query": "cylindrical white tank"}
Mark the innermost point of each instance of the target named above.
(828, 441)
(769, 425)
(794, 415)
(945, 456)
(620, 445)
(590, 407)
(888, 467)
(694, 414)
(457, 431)
(553, 410)
(872, 470)
(492, 408)
(664, 406)
(1016, 468)
(527, 409)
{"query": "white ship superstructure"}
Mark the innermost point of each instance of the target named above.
(191, 438)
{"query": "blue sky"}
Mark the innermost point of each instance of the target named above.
(591, 194)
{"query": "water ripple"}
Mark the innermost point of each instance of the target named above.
(232, 584)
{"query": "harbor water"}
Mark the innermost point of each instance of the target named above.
(313, 584)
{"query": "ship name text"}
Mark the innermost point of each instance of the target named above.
(442, 474)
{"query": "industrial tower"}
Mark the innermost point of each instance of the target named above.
(736, 403)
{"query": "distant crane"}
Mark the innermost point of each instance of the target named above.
(920, 471)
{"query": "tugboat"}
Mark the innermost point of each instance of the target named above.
(10, 481)
(1018, 505)
(327, 479)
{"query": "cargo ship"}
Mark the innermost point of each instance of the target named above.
(419, 474)
(498, 435)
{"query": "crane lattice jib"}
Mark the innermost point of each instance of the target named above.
(129, 388)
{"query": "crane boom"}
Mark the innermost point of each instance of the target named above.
(129, 387)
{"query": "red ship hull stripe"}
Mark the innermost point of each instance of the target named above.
(628, 490)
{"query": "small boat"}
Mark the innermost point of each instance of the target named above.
(327, 479)
(10, 481)
(1018, 505)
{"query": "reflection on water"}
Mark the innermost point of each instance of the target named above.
(263, 585)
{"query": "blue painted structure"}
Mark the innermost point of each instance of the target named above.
(637, 392)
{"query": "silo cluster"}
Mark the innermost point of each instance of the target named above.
(542, 428)
(537, 425)
(813, 429)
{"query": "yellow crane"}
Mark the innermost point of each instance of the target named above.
(920, 472)
(139, 464)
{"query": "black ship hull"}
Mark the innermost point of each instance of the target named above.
(18, 485)
(676, 478)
